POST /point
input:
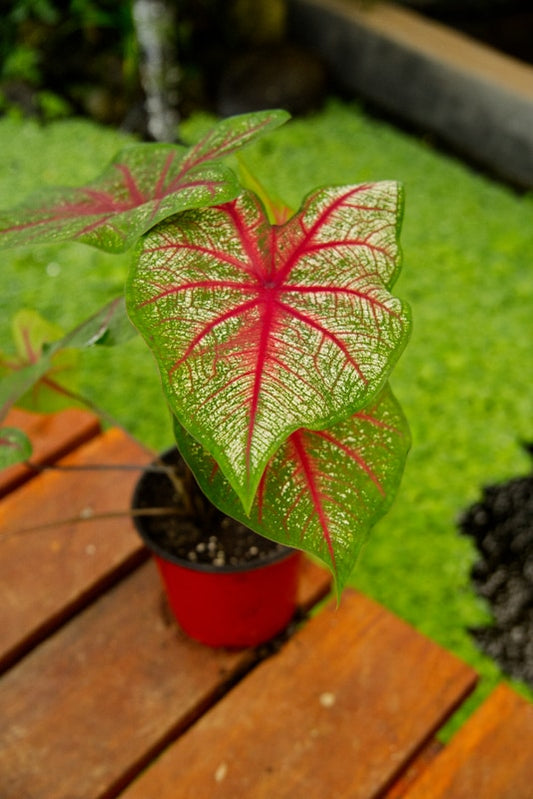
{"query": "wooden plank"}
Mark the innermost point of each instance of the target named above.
(490, 756)
(52, 436)
(88, 708)
(88, 705)
(414, 769)
(338, 712)
(46, 574)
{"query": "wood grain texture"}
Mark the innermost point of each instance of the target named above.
(491, 757)
(89, 708)
(415, 768)
(337, 713)
(48, 573)
(52, 436)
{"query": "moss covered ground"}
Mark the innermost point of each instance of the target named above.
(464, 380)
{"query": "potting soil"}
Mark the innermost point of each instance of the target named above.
(208, 537)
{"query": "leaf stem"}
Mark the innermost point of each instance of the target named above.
(109, 419)
(89, 517)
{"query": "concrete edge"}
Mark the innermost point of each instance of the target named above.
(474, 98)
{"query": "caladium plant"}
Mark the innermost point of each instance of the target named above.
(275, 333)
(44, 364)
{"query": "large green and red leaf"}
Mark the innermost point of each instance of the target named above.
(144, 184)
(323, 490)
(261, 329)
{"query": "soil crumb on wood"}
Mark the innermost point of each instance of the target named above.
(502, 527)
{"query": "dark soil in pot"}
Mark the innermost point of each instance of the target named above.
(501, 524)
(201, 534)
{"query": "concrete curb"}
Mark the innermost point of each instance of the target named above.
(473, 97)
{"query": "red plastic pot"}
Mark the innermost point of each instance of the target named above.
(226, 606)
(235, 608)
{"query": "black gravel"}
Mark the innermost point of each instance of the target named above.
(501, 524)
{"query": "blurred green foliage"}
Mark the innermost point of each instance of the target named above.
(49, 48)
(86, 54)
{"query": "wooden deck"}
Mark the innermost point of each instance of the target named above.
(101, 695)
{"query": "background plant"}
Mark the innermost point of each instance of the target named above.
(55, 55)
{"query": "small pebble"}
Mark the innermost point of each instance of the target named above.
(327, 699)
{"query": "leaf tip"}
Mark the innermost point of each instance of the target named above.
(15, 447)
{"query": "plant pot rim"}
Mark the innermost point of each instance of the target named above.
(262, 562)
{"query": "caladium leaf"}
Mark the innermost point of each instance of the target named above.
(144, 184)
(36, 362)
(30, 332)
(259, 329)
(32, 335)
(323, 490)
(233, 133)
(15, 446)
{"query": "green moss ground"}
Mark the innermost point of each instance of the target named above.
(464, 380)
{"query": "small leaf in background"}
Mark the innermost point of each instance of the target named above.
(259, 330)
(144, 184)
(323, 490)
(15, 447)
(32, 335)
(44, 357)
(30, 332)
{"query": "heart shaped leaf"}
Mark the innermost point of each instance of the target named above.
(260, 329)
(323, 490)
(144, 184)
